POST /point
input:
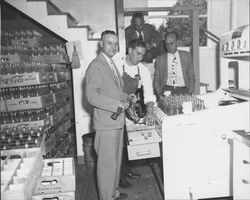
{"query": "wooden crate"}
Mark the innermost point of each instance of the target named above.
(33, 124)
(15, 58)
(58, 175)
(23, 188)
(61, 95)
(31, 42)
(57, 196)
(29, 102)
(17, 80)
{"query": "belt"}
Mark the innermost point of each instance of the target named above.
(175, 87)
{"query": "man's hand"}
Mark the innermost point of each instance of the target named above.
(124, 105)
(150, 118)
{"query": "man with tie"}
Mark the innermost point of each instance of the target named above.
(104, 91)
(146, 32)
(174, 71)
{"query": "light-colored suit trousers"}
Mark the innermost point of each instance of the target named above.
(108, 146)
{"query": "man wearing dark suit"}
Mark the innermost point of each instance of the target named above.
(146, 32)
(104, 91)
(174, 70)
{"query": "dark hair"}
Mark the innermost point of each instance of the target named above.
(136, 43)
(171, 32)
(136, 16)
(106, 32)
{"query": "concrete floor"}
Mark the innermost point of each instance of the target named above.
(144, 188)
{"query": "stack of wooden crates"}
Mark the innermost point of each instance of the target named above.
(35, 111)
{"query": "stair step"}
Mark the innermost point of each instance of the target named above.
(58, 24)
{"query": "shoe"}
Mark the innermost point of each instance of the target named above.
(124, 183)
(122, 196)
(133, 175)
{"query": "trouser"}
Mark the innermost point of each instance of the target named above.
(124, 165)
(108, 146)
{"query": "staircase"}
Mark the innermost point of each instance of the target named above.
(67, 27)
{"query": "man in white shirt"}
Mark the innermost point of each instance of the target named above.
(134, 75)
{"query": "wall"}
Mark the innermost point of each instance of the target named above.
(100, 15)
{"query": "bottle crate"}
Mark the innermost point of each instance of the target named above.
(58, 175)
(25, 79)
(27, 103)
(57, 196)
(23, 177)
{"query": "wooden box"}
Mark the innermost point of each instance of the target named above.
(58, 175)
(56, 196)
(17, 80)
(33, 124)
(15, 58)
(22, 182)
(29, 102)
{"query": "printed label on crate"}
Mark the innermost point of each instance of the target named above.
(55, 196)
(57, 175)
(21, 125)
(29, 103)
(26, 79)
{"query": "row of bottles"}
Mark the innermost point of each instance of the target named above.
(29, 67)
(7, 36)
(61, 148)
(22, 137)
(172, 105)
(29, 115)
(31, 90)
(33, 51)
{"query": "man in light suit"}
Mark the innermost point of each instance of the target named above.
(104, 88)
(174, 71)
(146, 32)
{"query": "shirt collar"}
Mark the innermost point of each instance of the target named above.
(107, 58)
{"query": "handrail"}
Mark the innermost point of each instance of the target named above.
(211, 34)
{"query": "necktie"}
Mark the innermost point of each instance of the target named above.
(174, 69)
(140, 36)
(115, 71)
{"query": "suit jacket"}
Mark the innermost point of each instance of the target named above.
(161, 71)
(104, 93)
(150, 35)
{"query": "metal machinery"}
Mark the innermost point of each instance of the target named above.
(206, 154)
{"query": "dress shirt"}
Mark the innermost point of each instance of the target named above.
(138, 34)
(112, 67)
(179, 80)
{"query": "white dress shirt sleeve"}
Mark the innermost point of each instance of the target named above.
(147, 83)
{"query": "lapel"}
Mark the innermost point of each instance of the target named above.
(183, 65)
(165, 68)
(109, 70)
